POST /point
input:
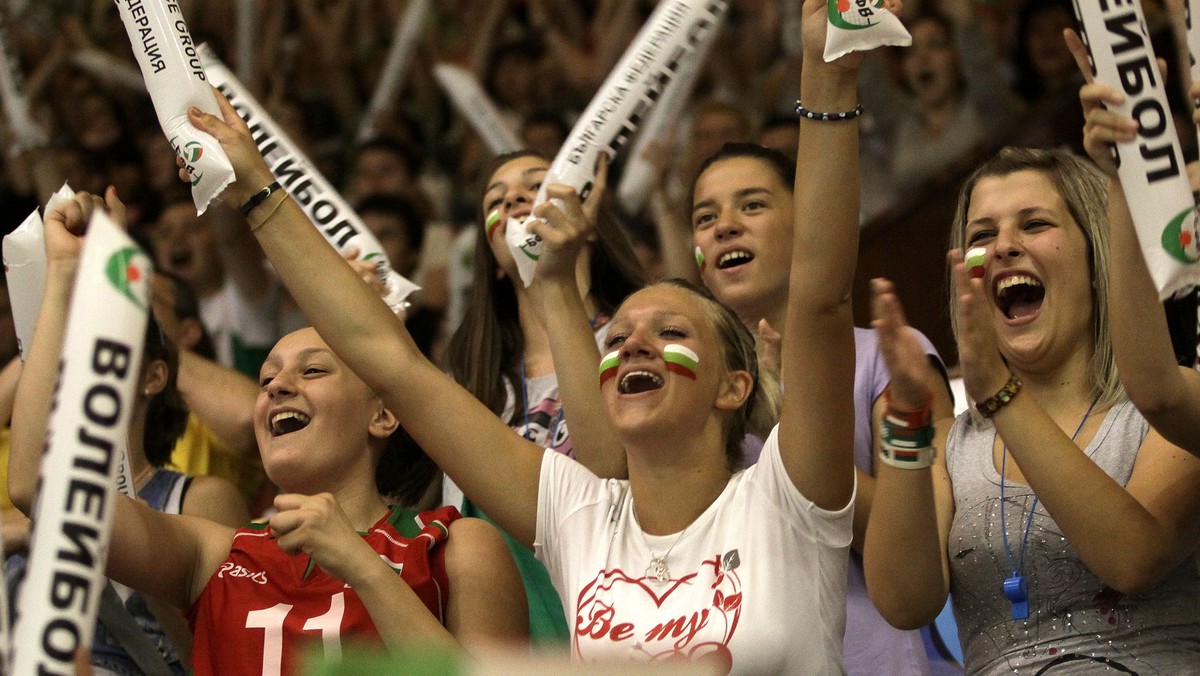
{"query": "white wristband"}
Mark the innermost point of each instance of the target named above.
(907, 458)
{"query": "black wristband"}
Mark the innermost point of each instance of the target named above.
(258, 197)
(828, 117)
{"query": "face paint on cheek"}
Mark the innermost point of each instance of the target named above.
(975, 260)
(700, 259)
(493, 222)
(608, 366)
(681, 360)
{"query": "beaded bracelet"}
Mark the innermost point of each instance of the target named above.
(828, 117)
(258, 197)
(988, 407)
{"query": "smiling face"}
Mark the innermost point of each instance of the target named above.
(314, 420)
(510, 192)
(742, 216)
(1036, 267)
(672, 373)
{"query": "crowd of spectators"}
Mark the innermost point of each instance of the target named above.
(980, 74)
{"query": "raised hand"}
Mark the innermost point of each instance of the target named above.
(66, 224)
(1102, 127)
(906, 360)
(984, 370)
(250, 170)
(565, 224)
(768, 343)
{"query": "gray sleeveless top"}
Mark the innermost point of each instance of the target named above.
(1076, 624)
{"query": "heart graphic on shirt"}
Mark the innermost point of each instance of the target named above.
(695, 615)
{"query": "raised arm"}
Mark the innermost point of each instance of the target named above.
(496, 468)
(573, 344)
(35, 387)
(169, 557)
(904, 553)
(1166, 393)
(223, 398)
(816, 428)
(932, 375)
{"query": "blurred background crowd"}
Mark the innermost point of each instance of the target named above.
(980, 74)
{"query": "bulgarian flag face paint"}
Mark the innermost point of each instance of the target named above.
(974, 262)
(700, 259)
(492, 222)
(608, 366)
(681, 360)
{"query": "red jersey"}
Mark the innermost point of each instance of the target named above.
(262, 609)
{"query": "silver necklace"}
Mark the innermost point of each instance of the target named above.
(657, 568)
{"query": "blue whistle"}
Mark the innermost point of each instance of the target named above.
(1017, 593)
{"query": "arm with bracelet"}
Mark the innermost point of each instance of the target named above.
(904, 555)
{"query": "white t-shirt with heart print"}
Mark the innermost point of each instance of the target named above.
(758, 581)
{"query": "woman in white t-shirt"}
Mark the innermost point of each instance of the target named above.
(688, 557)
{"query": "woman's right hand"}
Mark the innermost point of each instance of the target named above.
(564, 229)
(907, 363)
(250, 170)
(565, 223)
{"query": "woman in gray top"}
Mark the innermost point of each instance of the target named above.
(1063, 526)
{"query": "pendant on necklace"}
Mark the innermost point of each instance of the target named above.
(1017, 593)
(658, 569)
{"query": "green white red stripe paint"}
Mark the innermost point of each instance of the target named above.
(608, 366)
(681, 360)
(492, 222)
(975, 260)
(700, 259)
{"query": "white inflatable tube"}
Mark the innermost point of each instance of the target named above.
(1151, 167)
(638, 176)
(404, 42)
(627, 96)
(334, 218)
(176, 81)
(25, 269)
(102, 353)
(477, 107)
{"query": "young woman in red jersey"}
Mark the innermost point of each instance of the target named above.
(336, 560)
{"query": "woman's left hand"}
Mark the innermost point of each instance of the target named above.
(906, 361)
(317, 526)
(984, 370)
